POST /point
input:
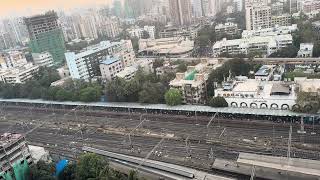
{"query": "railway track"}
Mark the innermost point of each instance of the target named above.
(109, 131)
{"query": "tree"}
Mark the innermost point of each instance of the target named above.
(286, 52)
(173, 97)
(69, 173)
(91, 166)
(157, 63)
(145, 35)
(135, 44)
(316, 50)
(46, 76)
(90, 94)
(218, 102)
(182, 67)
(42, 171)
(63, 95)
(309, 102)
(115, 90)
(152, 93)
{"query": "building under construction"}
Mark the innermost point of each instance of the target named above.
(15, 156)
(46, 35)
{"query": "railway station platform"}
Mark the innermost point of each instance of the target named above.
(270, 167)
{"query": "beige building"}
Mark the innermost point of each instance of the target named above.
(110, 67)
(281, 20)
(193, 82)
(258, 16)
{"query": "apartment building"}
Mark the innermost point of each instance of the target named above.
(46, 35)
(305, 50)
(273, 31)
(228, 28)
(13, 150)
(258, 17)
(110, 67)
(193, 82)
(19, 74)
(263, 44)
(138, 32)
(43, 59)
(85, 65)
(281, 20)
(190, 32)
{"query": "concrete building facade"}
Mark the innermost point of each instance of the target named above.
(46, 35)
(43, 59)
(13, 149)
(181, 12)
(258, 17)
(85, 65)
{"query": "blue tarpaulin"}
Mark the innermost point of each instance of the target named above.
(60, 166)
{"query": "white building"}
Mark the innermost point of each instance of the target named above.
(274, 31)
(12, 58)
(258, 94)
(138, 32)
(258, 16)
(43, 59)
(230, 9)
(85, 65)
(277, 8)
(265, 45)
(19, 74)
(229, 28)
(129, 72)
(238, 4)
(306, 50)
(269, 73)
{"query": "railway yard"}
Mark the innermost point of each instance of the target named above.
(192, 141)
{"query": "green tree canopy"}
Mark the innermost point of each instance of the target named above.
(91, 166)
(173, 97)
(286, 52)
(218, 102)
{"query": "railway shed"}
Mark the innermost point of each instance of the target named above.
(188, 110)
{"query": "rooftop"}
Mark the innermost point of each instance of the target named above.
(191, 108)
(7, 138)
(110, 60)
(264, 70)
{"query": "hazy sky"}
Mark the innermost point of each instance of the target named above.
(29, 7)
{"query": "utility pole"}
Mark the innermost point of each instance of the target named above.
(253, 171)
(301, 131)
(289, 144)
(149, 154)
(130, 143)
(187, 146)
(313, 133)
(212, 118)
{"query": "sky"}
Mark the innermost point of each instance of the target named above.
(29, 7)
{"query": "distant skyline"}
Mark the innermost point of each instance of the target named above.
(14, 8)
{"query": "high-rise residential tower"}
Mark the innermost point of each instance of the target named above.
(46, 35)
(258, 16)
(180, 11)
